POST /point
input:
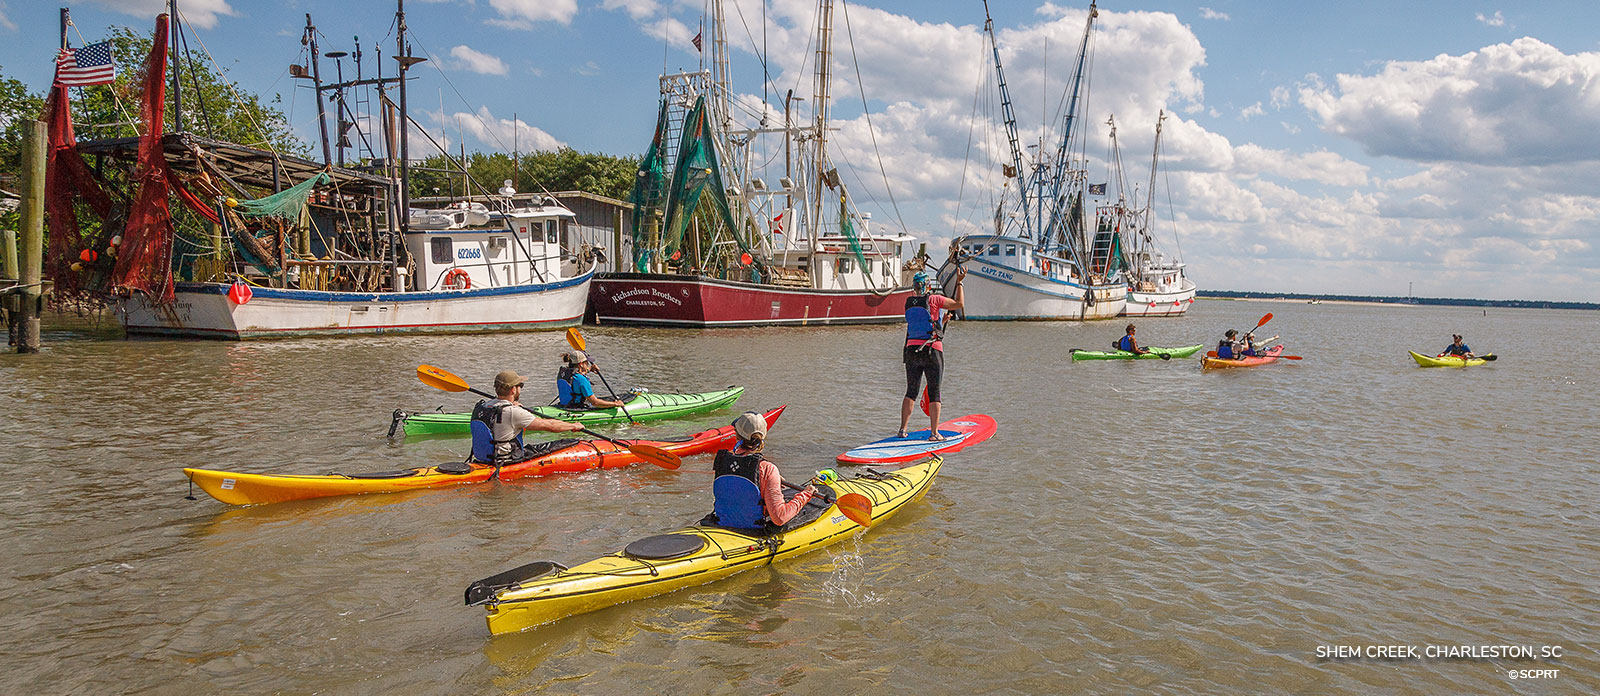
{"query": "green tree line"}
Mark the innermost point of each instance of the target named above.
(558, 170)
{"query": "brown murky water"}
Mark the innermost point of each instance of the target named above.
(1134, 527)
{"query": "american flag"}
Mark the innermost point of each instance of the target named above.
(696, 40)
(90, 65)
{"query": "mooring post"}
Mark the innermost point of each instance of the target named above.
(31, 253)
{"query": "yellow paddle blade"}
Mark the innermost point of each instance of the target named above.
(575, 339)
(441, 379)
(856, 507)
(656, 456)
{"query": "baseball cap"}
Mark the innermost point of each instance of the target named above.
(575, 357)
(508, 379)
(750, 424)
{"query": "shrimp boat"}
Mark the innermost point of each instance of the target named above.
(715, 245)
(1042, 262)
(1157, 285)
(228, 241)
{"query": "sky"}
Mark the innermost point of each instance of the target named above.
(1445, 148)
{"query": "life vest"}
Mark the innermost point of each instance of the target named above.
(1125, 344)
(920, 322)
(737, 490)
(564, 388)
(1225, 349)
(1454, 349)
(484, 417)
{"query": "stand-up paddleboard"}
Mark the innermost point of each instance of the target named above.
(959, 433)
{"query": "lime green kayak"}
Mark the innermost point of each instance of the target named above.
(1155, 353)
(641, 406)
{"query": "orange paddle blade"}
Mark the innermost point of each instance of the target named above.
(575, 339)
(1290, 357)
(441, 379)
(856, 507)
(657, 456)
(1264, 319)
(1211, 354)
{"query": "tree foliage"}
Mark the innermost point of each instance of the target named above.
(558, 170)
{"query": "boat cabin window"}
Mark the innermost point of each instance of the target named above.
(496, 246)
(1011, 250)
(442, 249)
(866, 266)
(550, 231)
(843, 265)
(994, 249)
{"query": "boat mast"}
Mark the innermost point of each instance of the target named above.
(310, 41)
(1150, 193)
(177, 67)
(820, 108)
(1064, 150)
(1008, 113)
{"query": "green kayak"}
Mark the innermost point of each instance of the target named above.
(1155, 353)
(642, 406)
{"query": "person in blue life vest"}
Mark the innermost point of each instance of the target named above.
(1129, 344)
(923, 354)
(499, 422)
(573, 389)
(1457, 348)
(747, 487)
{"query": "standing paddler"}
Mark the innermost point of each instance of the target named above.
(924, 349)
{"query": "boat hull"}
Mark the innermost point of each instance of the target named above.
(647, 299)
(1159, 304)
(1445, 361)
(996, 292)
(644, 407)
(203, 310)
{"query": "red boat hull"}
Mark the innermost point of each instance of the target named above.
(646, 299)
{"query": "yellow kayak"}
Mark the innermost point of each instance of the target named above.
(1449, 360)
(542, 592)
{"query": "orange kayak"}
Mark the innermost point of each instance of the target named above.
(1270, 356)
(573, 456)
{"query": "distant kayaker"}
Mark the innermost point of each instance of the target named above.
(1457, 348)
(573, 389)
(1229, 348)
(507, 418)
(747, 487)
(1129, 344)
(924, 349)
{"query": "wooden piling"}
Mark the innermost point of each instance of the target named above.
(31, 252)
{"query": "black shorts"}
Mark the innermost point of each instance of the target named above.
(919, 362)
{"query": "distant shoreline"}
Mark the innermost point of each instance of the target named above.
(1400, 301)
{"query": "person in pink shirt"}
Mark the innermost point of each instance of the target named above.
(748, 489)
(924, 350)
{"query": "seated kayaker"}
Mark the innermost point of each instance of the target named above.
(1457, 348)
(573, 389)
(1129, 344)
(747, 488)
(497, 423)
(1229, 348)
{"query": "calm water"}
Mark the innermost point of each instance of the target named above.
(1134, 527)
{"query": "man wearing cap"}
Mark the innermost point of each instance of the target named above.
(1457, 348)
(507, 418)
(573, 389)
(924, 351)
(748, 489)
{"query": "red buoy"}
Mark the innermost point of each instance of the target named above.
(240, 292)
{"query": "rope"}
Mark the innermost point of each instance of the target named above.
(244, 106)
(868, 113)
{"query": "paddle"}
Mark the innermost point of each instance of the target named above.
(447, 381)
(855, 506)
(575, 340)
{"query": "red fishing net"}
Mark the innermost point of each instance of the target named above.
(67, 178)
(144, 263)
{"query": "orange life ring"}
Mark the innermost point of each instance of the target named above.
(1044, 266)
(457, 279)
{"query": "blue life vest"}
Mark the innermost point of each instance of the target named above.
(920, 324)
(567, 392)
(1225, 349)
(1125, 344)
(737, 490)
(484, 416)
(1453, 349)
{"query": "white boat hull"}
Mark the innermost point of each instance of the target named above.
(203, 310)
(1159, 304)
(996, 292)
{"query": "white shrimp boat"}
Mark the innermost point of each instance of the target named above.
(1007, 279)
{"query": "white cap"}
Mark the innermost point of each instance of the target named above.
(750, 424)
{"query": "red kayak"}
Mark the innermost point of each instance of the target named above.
(1270, 355)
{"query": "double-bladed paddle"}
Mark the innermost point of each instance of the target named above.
(448, 381)
(575, 339)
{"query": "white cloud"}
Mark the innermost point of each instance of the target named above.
(1497, 20)
(637, 9)
(496, 134)
(1208, 13)
(1280, 97)
(465, 58)
(4, 20)
(1252, 110)
(1289, 128)
(1322, 167)
(201, 13)
(521, 14)
(1508, 104)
